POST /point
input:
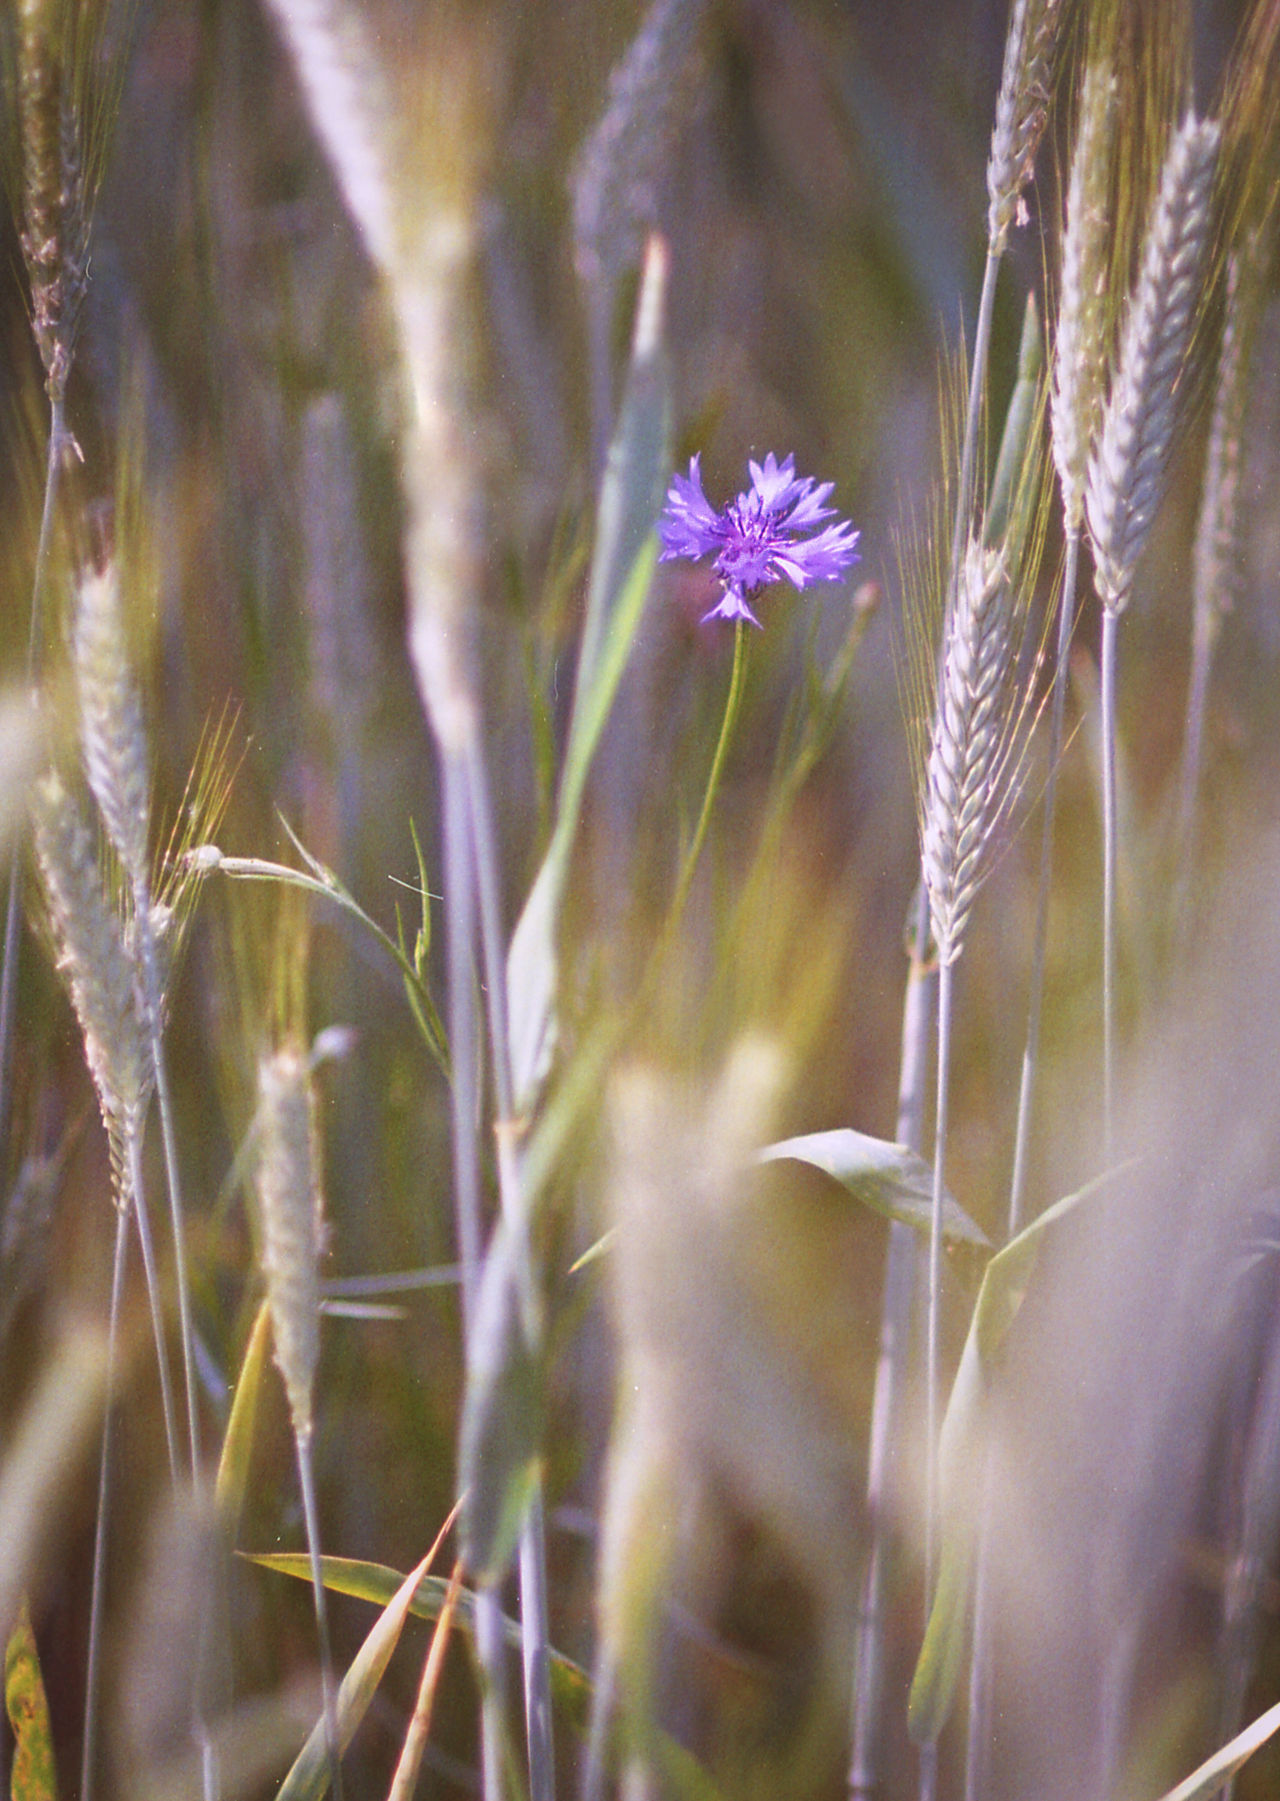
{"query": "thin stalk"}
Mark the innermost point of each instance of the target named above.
(977, 1763)
(978, 1743)
(142, 1215)
(40, 576)
(311, 1516)
(727, 724)
(1203, 642)
(928, 1753)
(533, 1551)
(1031, 1049)
(89, 1745)
(164, 1102)
(1110, 838)
(932, 1343)
(460, 926)
(895, 1330)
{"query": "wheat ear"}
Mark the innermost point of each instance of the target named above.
(1125, 475)
(1126, 471)
(113, 749)
(1022, 110)
(100, 975)
(969, 750)
(1080, 342)
(1216, 556)
(292, 1228)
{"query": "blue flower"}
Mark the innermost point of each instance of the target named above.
(759, 537)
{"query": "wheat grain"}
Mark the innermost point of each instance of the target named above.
(1125, 476)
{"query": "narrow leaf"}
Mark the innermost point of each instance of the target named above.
(32, 1776)
(377, 1583)
(501, 1436)
(237, 1443)
(621, 574)
(309, 1777)
(1217, 1770)
(889, 1178)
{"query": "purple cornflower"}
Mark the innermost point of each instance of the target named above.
(758, 538)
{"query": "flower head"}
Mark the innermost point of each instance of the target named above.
(759, 537)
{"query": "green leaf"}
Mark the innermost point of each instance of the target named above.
(32, 1777)
(621, 574)
(375, 1582)
(500, 1449)
(1004, 1286)
(1217, 1770)
(1016, 458)
(888, 1178)
(309, 1777)
(237, 1443)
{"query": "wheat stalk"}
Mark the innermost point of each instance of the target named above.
(1125, 475)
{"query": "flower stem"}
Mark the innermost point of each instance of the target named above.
(727, 724)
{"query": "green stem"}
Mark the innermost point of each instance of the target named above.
(727, 724)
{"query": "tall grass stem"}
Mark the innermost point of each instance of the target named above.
(89, 1742)
(1110, 853)
(311, 1517)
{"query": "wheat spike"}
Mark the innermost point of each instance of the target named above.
(968, 753)
(615, 178)
(349, 109)
(1125, 475)
(1080, 349)
(1216, 555)
(113, 742)
(94, 962)
(289, 1194)
(1022, 110)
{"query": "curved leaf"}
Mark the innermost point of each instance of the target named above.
(237, 1442)
(888, 1178)
(1217, 1770)
(309, 1777)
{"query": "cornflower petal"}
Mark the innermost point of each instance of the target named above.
(690, 526)
(758, 538)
